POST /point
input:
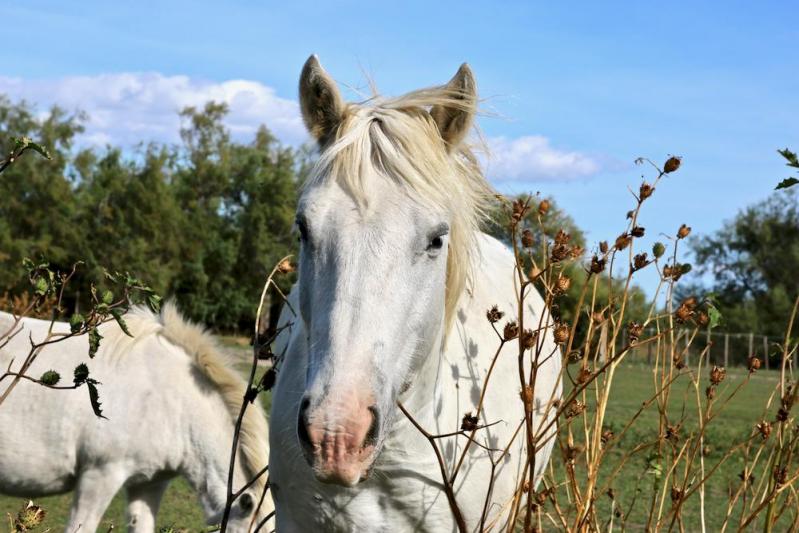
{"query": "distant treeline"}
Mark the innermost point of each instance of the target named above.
(202, 222)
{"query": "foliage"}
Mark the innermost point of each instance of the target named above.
(793, 162)
(203, 221)
(751, 263)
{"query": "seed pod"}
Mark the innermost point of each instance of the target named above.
(671, 165)
(575, 408)
(561, 333)
(710, 392)
(640, 261)
(683, 314)
(645, 191)
(50, 378)
(494, 315)
(30, 517)
(527, 395)
(562, 284)
(717, 374)
(638, 231)
(511, 330)
(560, 252)
(701, 319)
(583, 376)
(658, 249)
(597, 265)
(529, 339)
(527, 238)
(764, 427)
(562, 237)
(285, 266)
(634, 331)
(469, 422)
(622, 241)
(603, 247)
(683, 232)
(543, 207)
(753, 364)
(607, 436)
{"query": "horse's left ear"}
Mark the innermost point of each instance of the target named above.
(320, 101)
(454, 119)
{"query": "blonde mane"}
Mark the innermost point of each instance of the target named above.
(208, 358)
(397, 139)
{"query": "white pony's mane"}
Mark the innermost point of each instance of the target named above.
(209, 359)
(397, 139)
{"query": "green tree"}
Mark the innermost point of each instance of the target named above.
(751, 263)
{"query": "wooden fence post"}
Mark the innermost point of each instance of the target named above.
(765, 350)
(751, 345)
(726, 350)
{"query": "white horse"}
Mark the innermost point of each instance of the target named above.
(171, 400)
(395, 279)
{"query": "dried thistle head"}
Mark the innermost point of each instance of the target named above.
(285, 266)
(683, 313)
(529, 339)
(634, 331)
(683, 232)
(584, 376)
(603, 247)
(702, 319)
(622, 241)
(672, 164)
(764, 428)
(562, 284)
(560, 252)
(562, 237)
(673, 434)
(574, 409)
(518, 209)
(676, 495)
(753, 364)
(717, 374)
(645, 191)
(469, 422)
(29, 517)
(597, 317)
(637, 231)
(528, 240)
(597, 265)
(561, 333)
(511, 330)
(607, 436)
(640, 261)
(494, 315)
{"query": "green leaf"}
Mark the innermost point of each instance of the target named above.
(94, 398)
(76, 322)
(154, 302)
(108, 297)
(787, 182)
(793, 160)
(121, 321)
(40, 286)
(94, 342)
(36, 147)
(51, 377)
(715, 316)
(81, 374)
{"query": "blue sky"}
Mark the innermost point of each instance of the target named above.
(577, 90)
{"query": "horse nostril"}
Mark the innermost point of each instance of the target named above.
(374, 428)
(302, 429)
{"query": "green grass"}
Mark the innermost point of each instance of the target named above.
(632, 385)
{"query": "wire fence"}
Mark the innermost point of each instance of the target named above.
(726, 349)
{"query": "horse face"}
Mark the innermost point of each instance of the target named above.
(373, 264)
(372, 290)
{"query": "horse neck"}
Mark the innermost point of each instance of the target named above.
(207, 460)
(418, 399)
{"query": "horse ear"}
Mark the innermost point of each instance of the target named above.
(320, 100)
(455, 119)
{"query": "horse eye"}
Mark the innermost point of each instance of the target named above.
(303, 229)
(436, 243)
(246, 503)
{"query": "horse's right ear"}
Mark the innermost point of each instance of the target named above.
(320, 100)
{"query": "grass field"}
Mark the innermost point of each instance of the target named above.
(633, 384)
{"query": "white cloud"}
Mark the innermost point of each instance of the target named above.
(126, 108)
(532, 158)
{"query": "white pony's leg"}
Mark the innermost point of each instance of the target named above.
(96, 488)
(143, 503)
